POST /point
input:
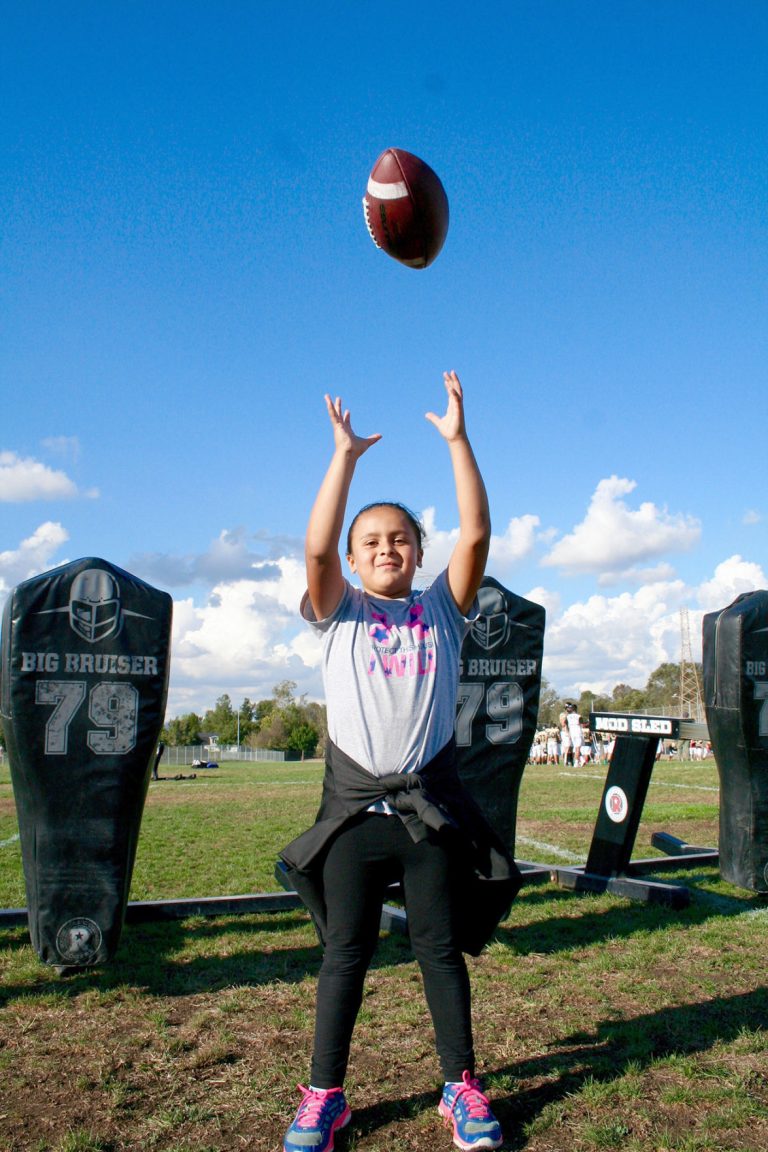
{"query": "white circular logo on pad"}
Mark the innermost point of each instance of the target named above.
(616, 804)
(78, 941)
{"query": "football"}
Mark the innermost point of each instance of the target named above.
(406, 208)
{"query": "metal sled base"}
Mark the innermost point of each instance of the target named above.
(631, 884)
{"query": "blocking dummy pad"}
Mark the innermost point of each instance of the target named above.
(498, 702)
(735, 658)
(85, 663)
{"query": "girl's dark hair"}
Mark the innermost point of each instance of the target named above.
(411, 517)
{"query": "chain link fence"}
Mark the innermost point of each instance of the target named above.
(196, 755)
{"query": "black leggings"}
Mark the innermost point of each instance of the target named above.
(371, 852)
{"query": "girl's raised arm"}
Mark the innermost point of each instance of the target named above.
(325, 579)
(466, 566)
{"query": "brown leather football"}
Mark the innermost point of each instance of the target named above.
(406, 208)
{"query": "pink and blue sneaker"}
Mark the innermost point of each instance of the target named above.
(322, 1113)
(466, 1108)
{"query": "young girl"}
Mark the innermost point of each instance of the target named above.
(392, 806)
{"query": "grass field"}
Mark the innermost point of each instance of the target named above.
(600, 1023)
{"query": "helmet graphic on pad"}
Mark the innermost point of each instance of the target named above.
(94, 605)
(491, 627)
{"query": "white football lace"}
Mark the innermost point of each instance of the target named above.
(368, 221)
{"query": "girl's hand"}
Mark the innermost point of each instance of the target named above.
(344, 438)
(451, 426)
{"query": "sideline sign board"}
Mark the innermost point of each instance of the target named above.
(632, 724)
(663, 727)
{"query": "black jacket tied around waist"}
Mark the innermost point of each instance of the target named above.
(433, 800)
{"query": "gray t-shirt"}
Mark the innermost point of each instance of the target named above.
(391, 675)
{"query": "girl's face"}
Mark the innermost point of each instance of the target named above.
(385, 552)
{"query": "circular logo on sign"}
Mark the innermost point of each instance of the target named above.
(78, 941)
(616, 804)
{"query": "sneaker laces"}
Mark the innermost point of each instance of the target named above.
(311, 1107)
(477, 1104)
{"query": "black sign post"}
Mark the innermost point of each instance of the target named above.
(609, 865)
(85, 663)
(621, 805)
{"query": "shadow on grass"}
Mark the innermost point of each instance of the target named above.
(580, 926)
(604, 1054)
(164, 958)
(601, 1055)
(155, 958)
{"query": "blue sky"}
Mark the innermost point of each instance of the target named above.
(185, 270)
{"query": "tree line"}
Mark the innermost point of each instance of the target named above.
(282, 722)
(659, 697)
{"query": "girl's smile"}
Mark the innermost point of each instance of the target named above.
(385, 552)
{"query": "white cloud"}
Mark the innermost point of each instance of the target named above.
(515, 544)
(243, 640)
(23, 479)
(439, 545)
(248, 635)
(658, 574)
(35, 554)
(613, 537)
(549, 599)
(604, 641)
(751, 516)
(732, 577)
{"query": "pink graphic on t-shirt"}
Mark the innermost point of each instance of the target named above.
(381, 629)
(415, 658)
(419, 629)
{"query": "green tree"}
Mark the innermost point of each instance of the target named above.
(245, 722)
(663, 689)
(627, 699)
(272, 733)
(282, 693)
(303, 738)
(317, 715)
(183, 731)
(549, 705)
(586, 703)
(221, 721)
(261, 711)
(290, 725)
